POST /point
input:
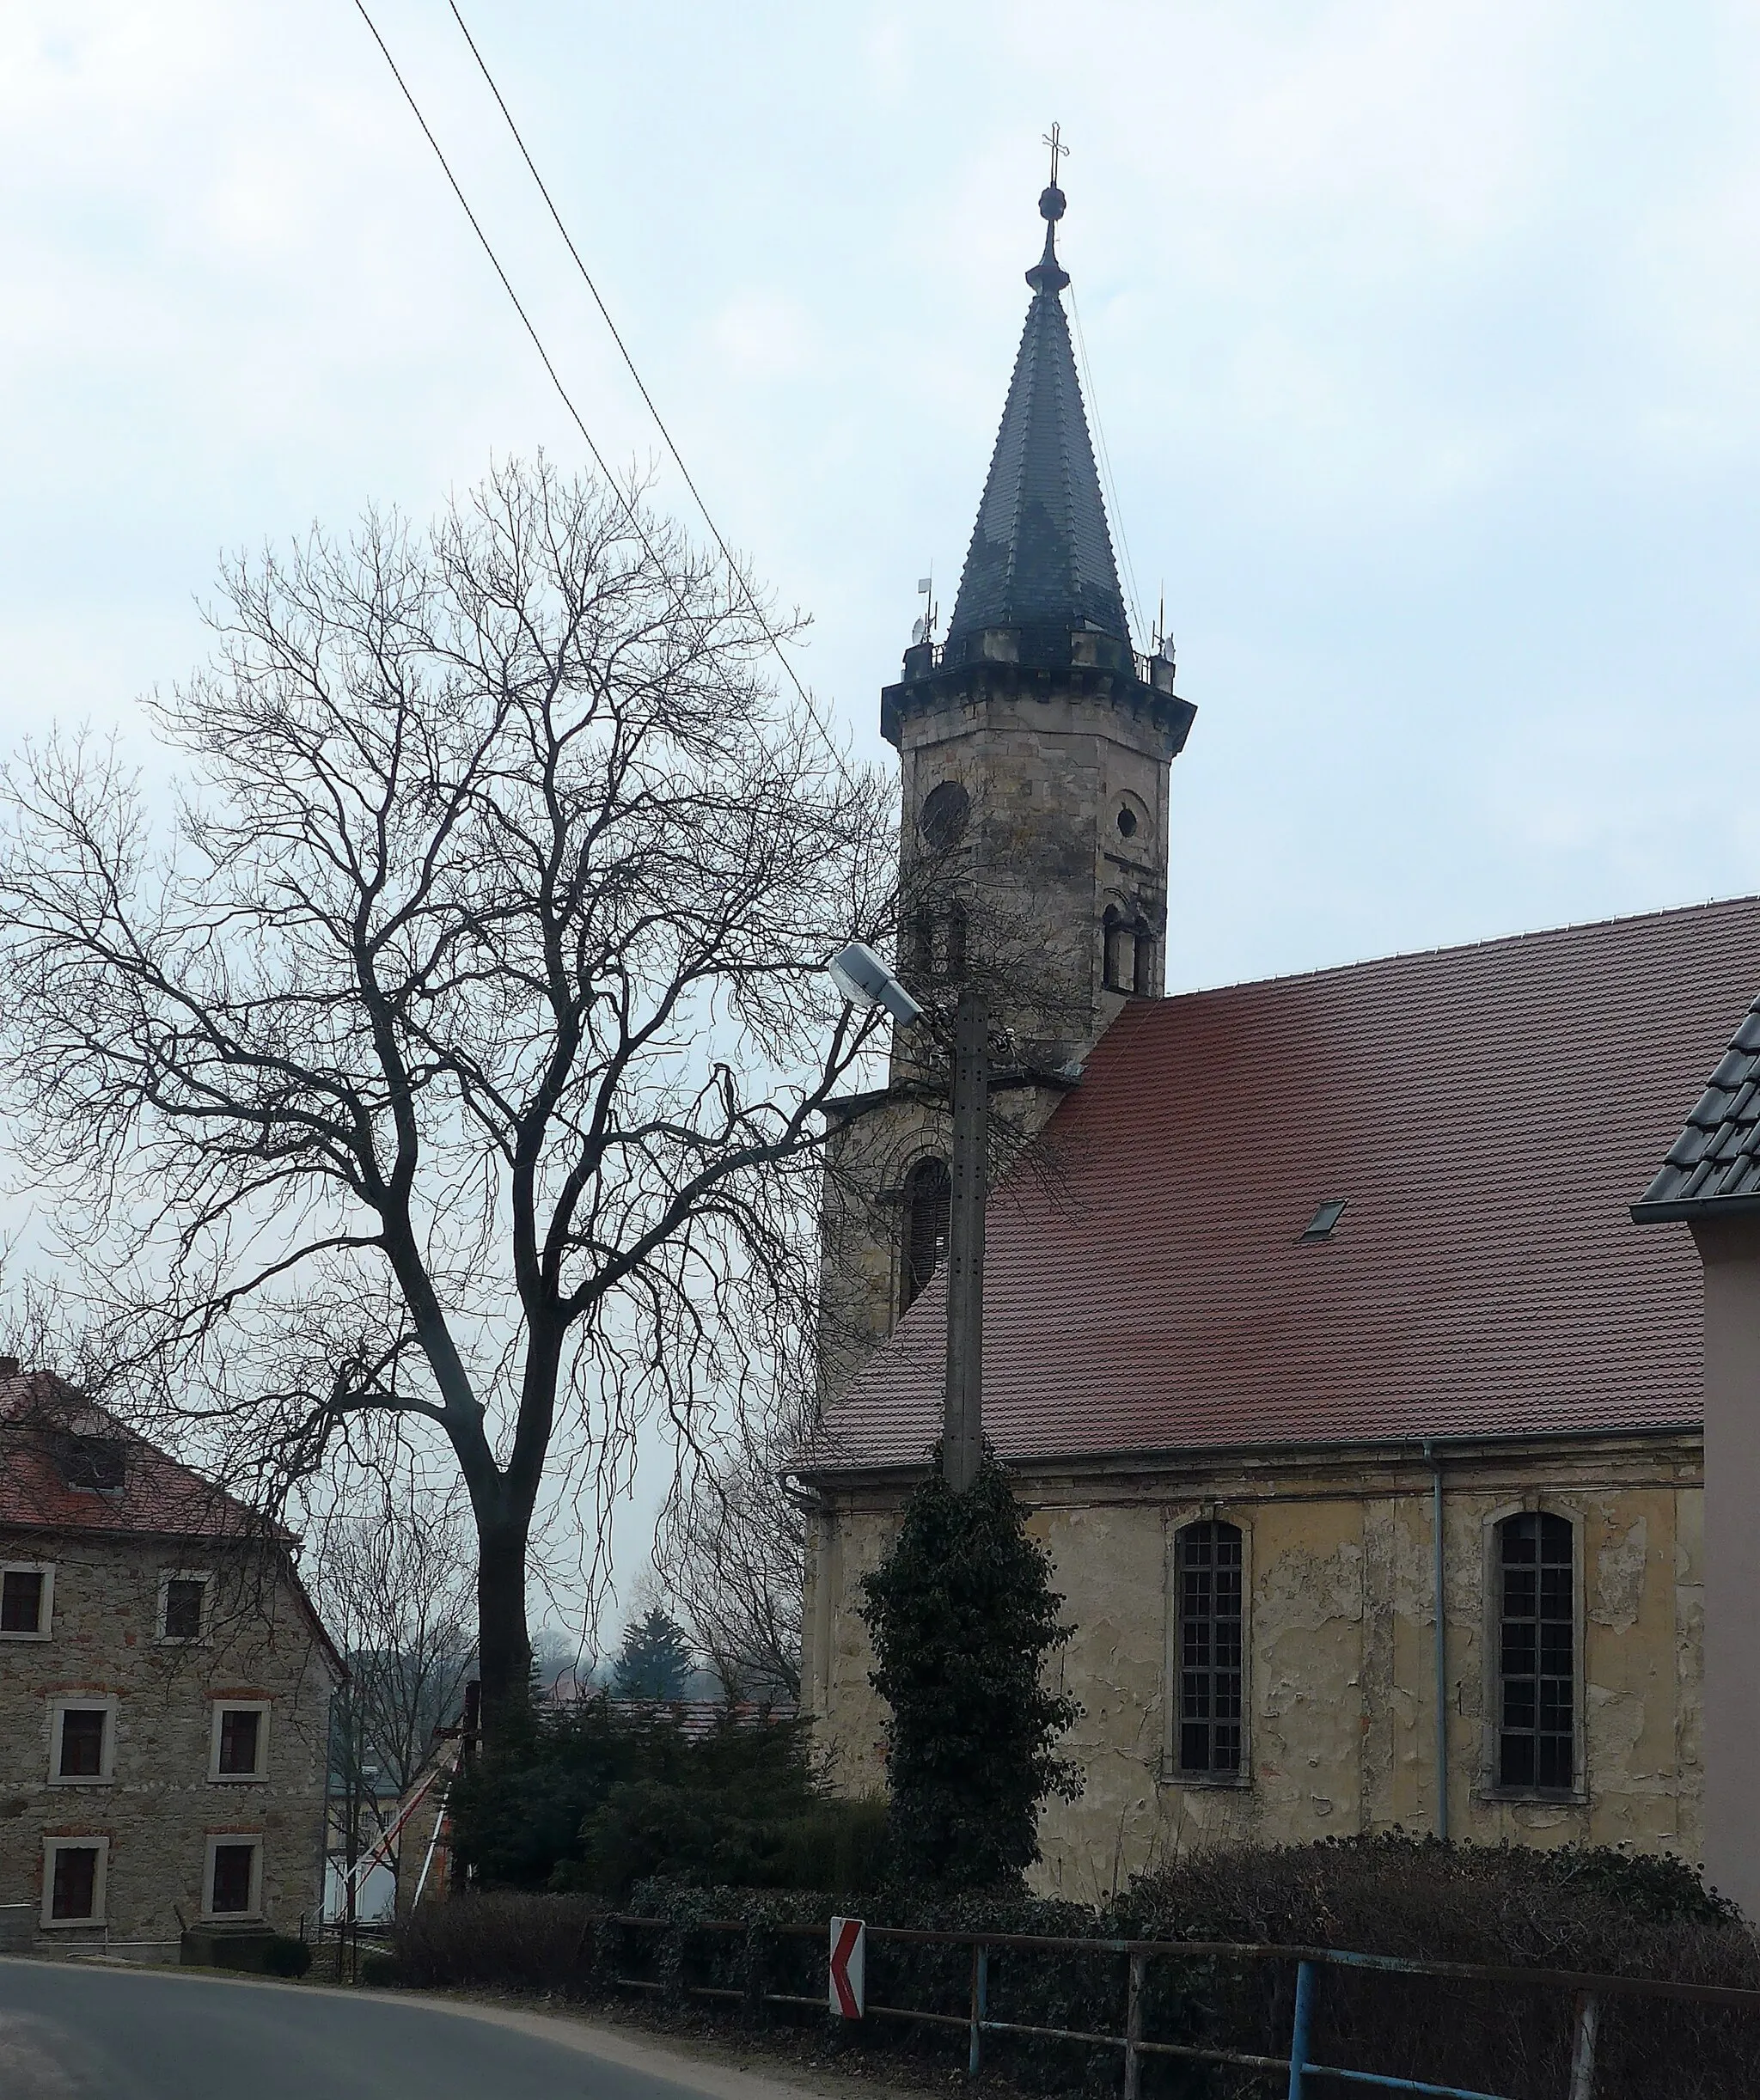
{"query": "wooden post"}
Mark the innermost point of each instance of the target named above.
(962, 1425)
(981, 1997)
(1133, 2029)
(1583, 2052)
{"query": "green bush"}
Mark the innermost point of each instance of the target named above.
(600, 1798)
(379, 1970)
(284, 1956)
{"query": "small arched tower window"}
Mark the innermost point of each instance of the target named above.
(1129, 957)
(1212, 1661)
(1535, 1654)
(928, 1205)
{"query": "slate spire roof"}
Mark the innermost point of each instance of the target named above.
(1041, 555)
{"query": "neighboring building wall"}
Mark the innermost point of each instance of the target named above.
(161, 1809)
(1730, 1247)
(1340, 1628)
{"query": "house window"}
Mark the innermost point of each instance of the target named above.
(233, 1884)
(73, 1880)
(928, 1206)
(182, 1600)
(240, 1734)
(1536, 1650)
(1208, 1572)
(83, 1733)
(26, 1602)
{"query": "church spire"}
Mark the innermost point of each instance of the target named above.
(1040, 556)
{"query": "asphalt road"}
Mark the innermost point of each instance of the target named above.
(71, 2032)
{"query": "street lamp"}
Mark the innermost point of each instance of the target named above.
(864, 980)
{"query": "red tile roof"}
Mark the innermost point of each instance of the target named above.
(1485, 1112)
(158, 1496)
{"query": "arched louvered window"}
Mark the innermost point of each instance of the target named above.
(1119, 955)
(928, 1203)
(1128, 958)
(1212, 1660)
(955, 953)
(1536, 1653)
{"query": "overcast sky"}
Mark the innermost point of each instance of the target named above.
(1426, 341)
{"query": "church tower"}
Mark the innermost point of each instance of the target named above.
(1036, 746)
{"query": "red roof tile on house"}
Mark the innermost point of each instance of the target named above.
(1485, 1114)
(157, 1496)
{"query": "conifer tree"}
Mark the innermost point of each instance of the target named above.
(655, 1661)
(962, 1618)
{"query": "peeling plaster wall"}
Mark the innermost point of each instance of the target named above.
(1340, 1648)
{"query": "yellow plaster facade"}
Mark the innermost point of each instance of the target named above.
(1340, 1638)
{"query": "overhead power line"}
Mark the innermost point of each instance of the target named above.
(610, 479)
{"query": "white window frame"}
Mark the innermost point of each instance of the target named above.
(240, 1779)
(1174, 1522)
(215, 1840)
(45, 1610)
(100, 1881)
(58, 1708)
(167, 1576)
(1490, 1787)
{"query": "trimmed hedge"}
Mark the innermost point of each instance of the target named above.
(1577, 1908)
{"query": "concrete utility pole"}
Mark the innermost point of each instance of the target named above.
(962, 1427)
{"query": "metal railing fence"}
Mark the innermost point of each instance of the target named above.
(1589, 1992)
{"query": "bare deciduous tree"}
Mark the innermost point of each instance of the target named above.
(733, 1544)
(453, 1066)
(393, 1585)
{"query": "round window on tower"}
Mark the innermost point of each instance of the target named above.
(1130, 818)
(944, 814)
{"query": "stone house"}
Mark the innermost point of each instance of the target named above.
(165, 1687)
(1364, 1429)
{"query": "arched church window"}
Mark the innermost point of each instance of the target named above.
(1212, 1656)
(944, 814)
(928, 1206)
(1536, 1653)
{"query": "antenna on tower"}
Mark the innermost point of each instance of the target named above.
(924, 628)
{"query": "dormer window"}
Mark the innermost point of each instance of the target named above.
(97, 1464)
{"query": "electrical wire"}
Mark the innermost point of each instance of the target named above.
(610, 479)
(1106, 470)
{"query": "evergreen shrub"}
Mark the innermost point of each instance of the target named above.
(964, 1618)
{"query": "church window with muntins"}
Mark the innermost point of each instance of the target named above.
(1212, 1661)
(928, 1208)
(1536, 1659)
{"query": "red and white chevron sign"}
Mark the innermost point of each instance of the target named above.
(849, 1963)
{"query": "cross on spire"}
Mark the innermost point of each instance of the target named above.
(1054, 138)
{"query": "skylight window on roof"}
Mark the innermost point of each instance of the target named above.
(1320, 1226)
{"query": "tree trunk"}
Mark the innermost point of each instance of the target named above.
(503, 1645)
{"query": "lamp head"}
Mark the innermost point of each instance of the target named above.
(864, 980)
